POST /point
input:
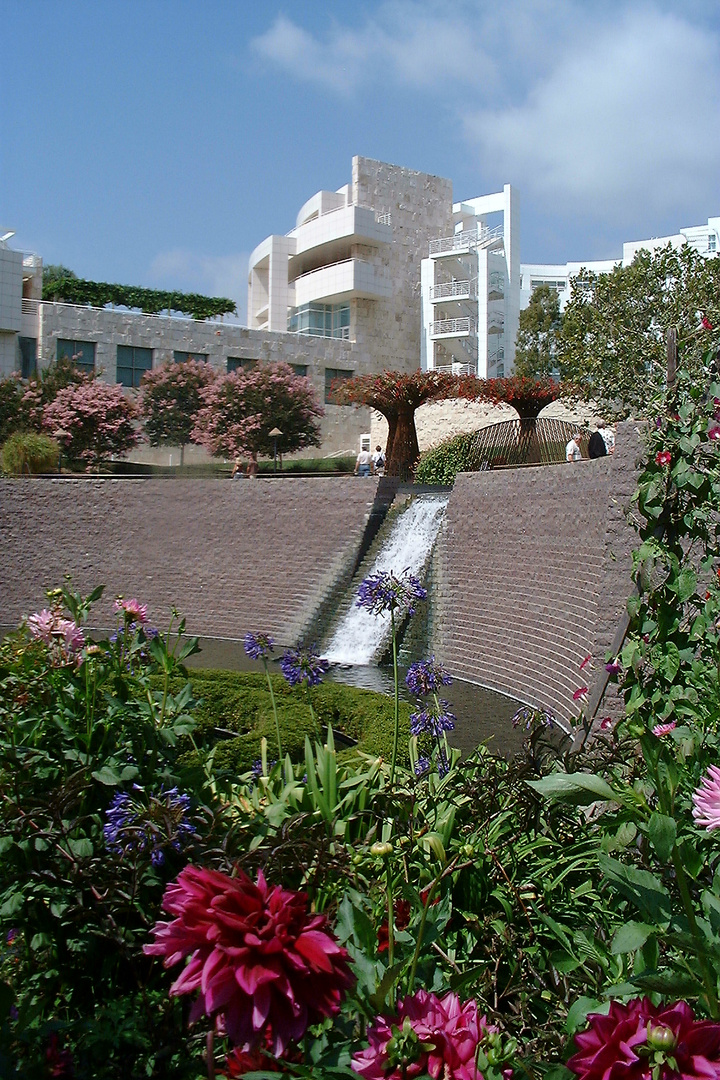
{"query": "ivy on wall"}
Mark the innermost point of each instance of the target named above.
(72, 290)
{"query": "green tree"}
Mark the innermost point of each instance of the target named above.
(535, 345)
(612, 341)
(169, 400)
(54, 273)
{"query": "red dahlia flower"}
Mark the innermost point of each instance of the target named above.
(262, 964)
(636, 1039)
(663, 457)
(431, 1035)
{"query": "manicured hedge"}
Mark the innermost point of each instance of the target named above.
(234, 713)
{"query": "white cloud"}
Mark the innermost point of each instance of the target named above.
(213, 275)
(629, 114)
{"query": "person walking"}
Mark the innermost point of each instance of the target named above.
(596, 445)
(363, 464)
(572, 450)
(378, 461)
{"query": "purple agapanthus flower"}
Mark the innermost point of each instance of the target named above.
(426, 677)
(422, 766)
(303, 665)
(259, 646)
(433, 719)
(528, 717)
(613, 668)
(135, 823)
(384, 591)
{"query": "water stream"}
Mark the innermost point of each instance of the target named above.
(359, 637)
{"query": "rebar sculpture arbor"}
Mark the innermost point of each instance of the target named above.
(397, 395)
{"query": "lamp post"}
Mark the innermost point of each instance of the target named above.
(275, 434)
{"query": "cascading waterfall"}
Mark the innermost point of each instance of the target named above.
(360, 636)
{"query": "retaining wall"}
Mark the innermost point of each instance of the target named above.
(232, 556)
(533, 572)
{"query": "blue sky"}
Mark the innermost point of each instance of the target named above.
(156, 142)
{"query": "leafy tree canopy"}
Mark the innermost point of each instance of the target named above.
(242, 408)
(91, 421)
(535, 345)
(169, 400)
(612, 341)
(55, 272)
(74, 290)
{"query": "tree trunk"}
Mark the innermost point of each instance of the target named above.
(404, 451)
(528, 441)
(182, 455)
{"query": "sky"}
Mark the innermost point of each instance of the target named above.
(157, 142)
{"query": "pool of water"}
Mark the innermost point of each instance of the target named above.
(483, 715)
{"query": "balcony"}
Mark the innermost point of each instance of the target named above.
(346, 280)
(457, 369)
(453, 290)
(496, 322)
(453, 328)
(328, 239)
(469, 240)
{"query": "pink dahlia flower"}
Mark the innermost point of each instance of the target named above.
(262, 964)
(635, 1039)
(42, 624)
(664, 729)
(133, 609)
(706, 800)
(63, 634)
(430, 1035)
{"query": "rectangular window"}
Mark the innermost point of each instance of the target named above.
(334, 375)
(300, 369)
(181, 357)
(132, 363)
(320, 320)
(82, 353)
(712, 242)
(235, 362)
(28, 352)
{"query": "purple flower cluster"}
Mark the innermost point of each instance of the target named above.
(259, 646)
(433, 719)
(130, 639)
(529, 718)
(384, 591)
(303, 665)
(134, 824)
(426, 677)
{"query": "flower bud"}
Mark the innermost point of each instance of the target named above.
(661, 1037)
(381, 849)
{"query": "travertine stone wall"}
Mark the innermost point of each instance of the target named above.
(420, 208)
(340, 428)
(533, 574)
(233, 556)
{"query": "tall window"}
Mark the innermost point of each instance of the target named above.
(28, 353)
(333, 375)
(712, 241)
(235, 362)
(181, 357)
(132, 363)
(82, 353)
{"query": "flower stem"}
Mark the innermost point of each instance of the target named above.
(391, 932)
(274, 707)
(397, 698)
(420, 935)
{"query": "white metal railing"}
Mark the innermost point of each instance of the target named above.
(225, 320)
(447, 289)
(469, 238)
(453, 326)
(384, 219)
(457, 369)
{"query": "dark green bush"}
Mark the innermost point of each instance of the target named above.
(441, 464)
(29, 453)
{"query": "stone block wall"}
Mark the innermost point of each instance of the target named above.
(232, 556)
(533, 574)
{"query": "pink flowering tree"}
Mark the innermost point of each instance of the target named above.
(169, 400)
(241, 409)
(92, 421)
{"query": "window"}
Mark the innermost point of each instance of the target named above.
(300, 369)
(82, 353)
(559, 286)
(28, 352)
(181, 357)
(333, 375)
(320, 320)
(132, 363)
(235, 362)
(712, 241)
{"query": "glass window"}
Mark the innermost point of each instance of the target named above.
(181, 357)
(28, 352)
(320, 320)
(235, 362)
(82, 353)
(712, 242)
(132, 363)
(300, 369)
(333, 375)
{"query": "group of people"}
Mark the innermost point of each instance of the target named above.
(600, 443)
(368, 464)
(240, 470)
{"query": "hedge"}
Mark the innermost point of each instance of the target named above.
(72, 290)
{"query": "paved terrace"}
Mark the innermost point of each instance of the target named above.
(232, 556)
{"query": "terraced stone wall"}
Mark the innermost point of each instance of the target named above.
(533, 572)
(232, 556)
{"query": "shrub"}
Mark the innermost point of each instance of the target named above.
(97, 421)
(441, 464)
(27, 452)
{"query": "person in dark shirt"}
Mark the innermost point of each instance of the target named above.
(596, 445)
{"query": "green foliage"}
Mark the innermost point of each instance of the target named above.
(612, 341)
(441, 464)
(73, 290)
(52, 274)
(28, 452)
(535, 345)
(11, 419)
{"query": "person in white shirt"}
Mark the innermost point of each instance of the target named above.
(608, 436)
(363, 464)
(572, 450)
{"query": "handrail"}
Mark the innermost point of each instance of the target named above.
(135, 312)
(452, 288)
(469, 238)
(453, 326)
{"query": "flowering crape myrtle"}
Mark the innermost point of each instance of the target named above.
(92, 421)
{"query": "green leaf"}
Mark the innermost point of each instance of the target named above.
(630, 937)
(662, 831)
(579, 788)
(577, 1014)
(82, 848)
(106, 776)
(640, 887)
